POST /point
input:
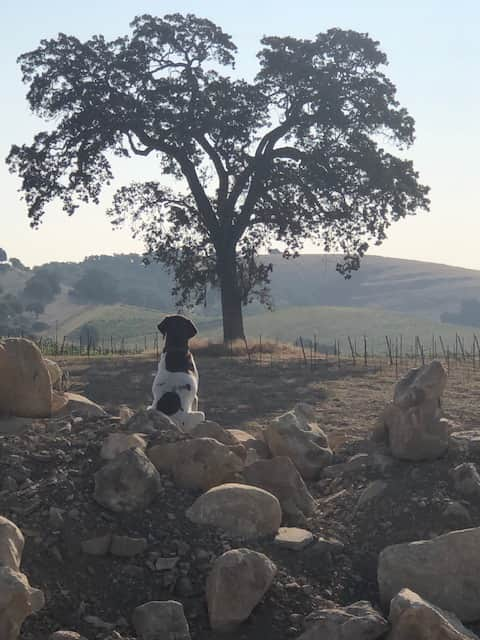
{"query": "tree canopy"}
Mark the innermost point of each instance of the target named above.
(299, 153)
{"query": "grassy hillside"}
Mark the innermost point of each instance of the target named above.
(417, 289)
(327, 323)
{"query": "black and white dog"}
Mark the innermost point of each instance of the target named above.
(175, 386)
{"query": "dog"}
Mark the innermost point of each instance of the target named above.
(175, 386)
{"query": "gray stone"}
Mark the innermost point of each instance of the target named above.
(161, 621)
(373, 491)
(445, 571)
(241, 510)
(200, 463)
(358, 621)
(466, 479)
(413, 425)
(17, 601)
(467, 442)
(303, 442)
(293, 538)
(413, 618)
(280, 477)
(238, 581)
(127, 547)
(98, 546)
(117, 443)
(127, 483)
(11, 544)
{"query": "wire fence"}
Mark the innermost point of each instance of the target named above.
(397, 353)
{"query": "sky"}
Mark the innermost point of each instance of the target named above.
(434, 56)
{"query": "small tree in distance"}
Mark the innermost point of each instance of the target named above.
(294, 155)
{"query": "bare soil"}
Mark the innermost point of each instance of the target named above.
(54, 467)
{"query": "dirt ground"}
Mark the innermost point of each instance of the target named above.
(246, 395)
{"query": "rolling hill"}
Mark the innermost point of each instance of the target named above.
(328, 324)
(387, 296)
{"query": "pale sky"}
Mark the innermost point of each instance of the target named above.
(434, 52)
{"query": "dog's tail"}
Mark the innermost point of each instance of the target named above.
(169, 403)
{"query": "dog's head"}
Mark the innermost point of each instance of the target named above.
(177, 331)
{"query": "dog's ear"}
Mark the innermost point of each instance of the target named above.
(163, 326)
(191, 328)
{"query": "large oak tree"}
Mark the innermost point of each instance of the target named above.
(294, 155)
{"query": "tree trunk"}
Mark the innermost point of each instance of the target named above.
(231, 298)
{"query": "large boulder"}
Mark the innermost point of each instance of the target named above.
(161, 620)
(25, 386)
(56, 373)
(64, 404)
(466, 479)
(413, 425)
(238, 509)
(17, 601)
(238, 581)
(210, 429)
(201, 463)
(420, 385)
(127, 483)
(256, 449)
(151, 421)
(445, 571)
(358, 621)
(413, 617)
(304, 442)
(280, 477)
(117, 443)
(11, 544)
(466, 442)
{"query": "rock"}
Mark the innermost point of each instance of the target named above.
(358, 621)
(127, 547)
(458, 513)
(251, 443)
(66, 635)
(413, 424)
(210, 429)
(413, 617)
(293, 538)
(151, 421)
(166, 564)
(11, 544)
(420, 385)
(356, 463)
(67, 403)
(241, 510)
(98, 546)
(127, 483)
(200, 463)
(238, 581)
(324, 547)
(55, 372)
(25, 387)
(125, 414)
(373, 491)
(117, 443)
(280, 477)
(161, 621)
(445, 571)
(467, 442)
(55, 518)
(17, 601)
(466, 479)
(305, 443)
